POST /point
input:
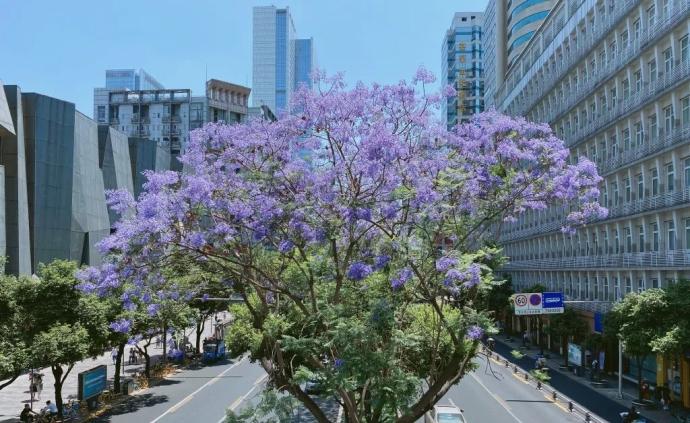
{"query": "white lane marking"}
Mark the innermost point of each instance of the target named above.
(498, 399)
(189, 397)
(241, 399)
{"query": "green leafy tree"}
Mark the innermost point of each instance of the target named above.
(496, 297)
(66, 325)
(566, 325)
(636, 319)
(674, 338)
(14, 353)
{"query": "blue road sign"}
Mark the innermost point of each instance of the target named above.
(552, 302)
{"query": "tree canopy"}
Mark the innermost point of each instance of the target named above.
(358, 231)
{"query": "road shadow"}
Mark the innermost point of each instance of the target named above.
(131, 405)
(167, 381)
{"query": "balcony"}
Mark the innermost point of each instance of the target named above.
(170, 132)
(676, 136)
(613, 66)
(658, 202)
(137, 119)
(603, 29)
(171, 119)
(674, 258)
(626, 107)
(139, 131)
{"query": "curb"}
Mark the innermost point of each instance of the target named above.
(558, 398)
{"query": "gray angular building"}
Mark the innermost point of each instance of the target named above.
(55, 166)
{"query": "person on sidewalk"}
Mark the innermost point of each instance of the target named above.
(27, 414)
(50, 409)
(132, 356)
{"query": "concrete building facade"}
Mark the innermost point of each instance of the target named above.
(613, 80)
(522, 20)
(462, 67)
(280, 61)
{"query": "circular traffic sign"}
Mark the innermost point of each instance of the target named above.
(521, 300)
(535, 299)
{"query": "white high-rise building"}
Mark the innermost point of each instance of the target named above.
(280, 61)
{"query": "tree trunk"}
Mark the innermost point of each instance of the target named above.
(199, 329)
(147, 360)
(57, 375)
(639, 361)
(165, 342)
(118, 366)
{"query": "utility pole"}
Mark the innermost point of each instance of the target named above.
(620, 368)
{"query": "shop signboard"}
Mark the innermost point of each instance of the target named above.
(92, 382)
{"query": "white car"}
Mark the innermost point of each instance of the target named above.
(444, 414)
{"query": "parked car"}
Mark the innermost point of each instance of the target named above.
(444, 414)
(313, 386)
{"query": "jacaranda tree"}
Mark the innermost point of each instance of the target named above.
(355, 229)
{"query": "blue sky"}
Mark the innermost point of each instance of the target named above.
(62, 48)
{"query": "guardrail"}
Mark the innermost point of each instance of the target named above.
(556, 396)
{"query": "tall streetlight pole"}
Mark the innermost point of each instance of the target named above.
(620, 367)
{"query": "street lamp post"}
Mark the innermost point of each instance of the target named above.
(620, 368)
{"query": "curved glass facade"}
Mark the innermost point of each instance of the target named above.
(522, 39)
(524, 5)
(528, 20)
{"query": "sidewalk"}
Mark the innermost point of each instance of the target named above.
(14, 396)
(629, 389)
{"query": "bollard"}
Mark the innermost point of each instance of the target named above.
(507, 363)
(539, 385)
(570, 406)
(554, 395)
(515, 369)
(526, 376)
(587, 418)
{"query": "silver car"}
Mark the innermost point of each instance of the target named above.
(444, 414)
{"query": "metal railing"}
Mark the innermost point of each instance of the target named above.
(612, 67)
(673, 258)
(556, 396)
(521, 106)
(171, 119)
(657, 202)
(676, 136)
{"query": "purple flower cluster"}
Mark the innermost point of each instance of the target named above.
(358, 271)
(122, 325)
(475, 333)
(467, 278)
(402, 278)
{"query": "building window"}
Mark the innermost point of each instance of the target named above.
(668, 60)
(652, 70)
(684, 54)
(628, 190)
(617, 288)
(640, 285)
(655, 181)
(626, 89)
(687, 173)
(615, 193)
(670, 177)
(653, 126)
(614, 145)
(616, 242)
(606, 289)
(639, 134)
(638, 81)
(687, 234)
(636, 27)
(655, 237)
(651, 16)
(101, 113)
(640, 232)
(626, 139)
(655, 283)
(685, 104)
(628, 240)
(624, 39)
(640, 187)
(628, 285)
(671, 235)
(668, 119)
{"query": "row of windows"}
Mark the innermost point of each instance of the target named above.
(522, 6)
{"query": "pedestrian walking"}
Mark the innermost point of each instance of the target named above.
(525, 339)
(159, 342)
(113, 354)
(132, 356)
(38, 382)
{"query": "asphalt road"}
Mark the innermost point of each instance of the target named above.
(488, 395)
(494, 395)
(193, 395)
